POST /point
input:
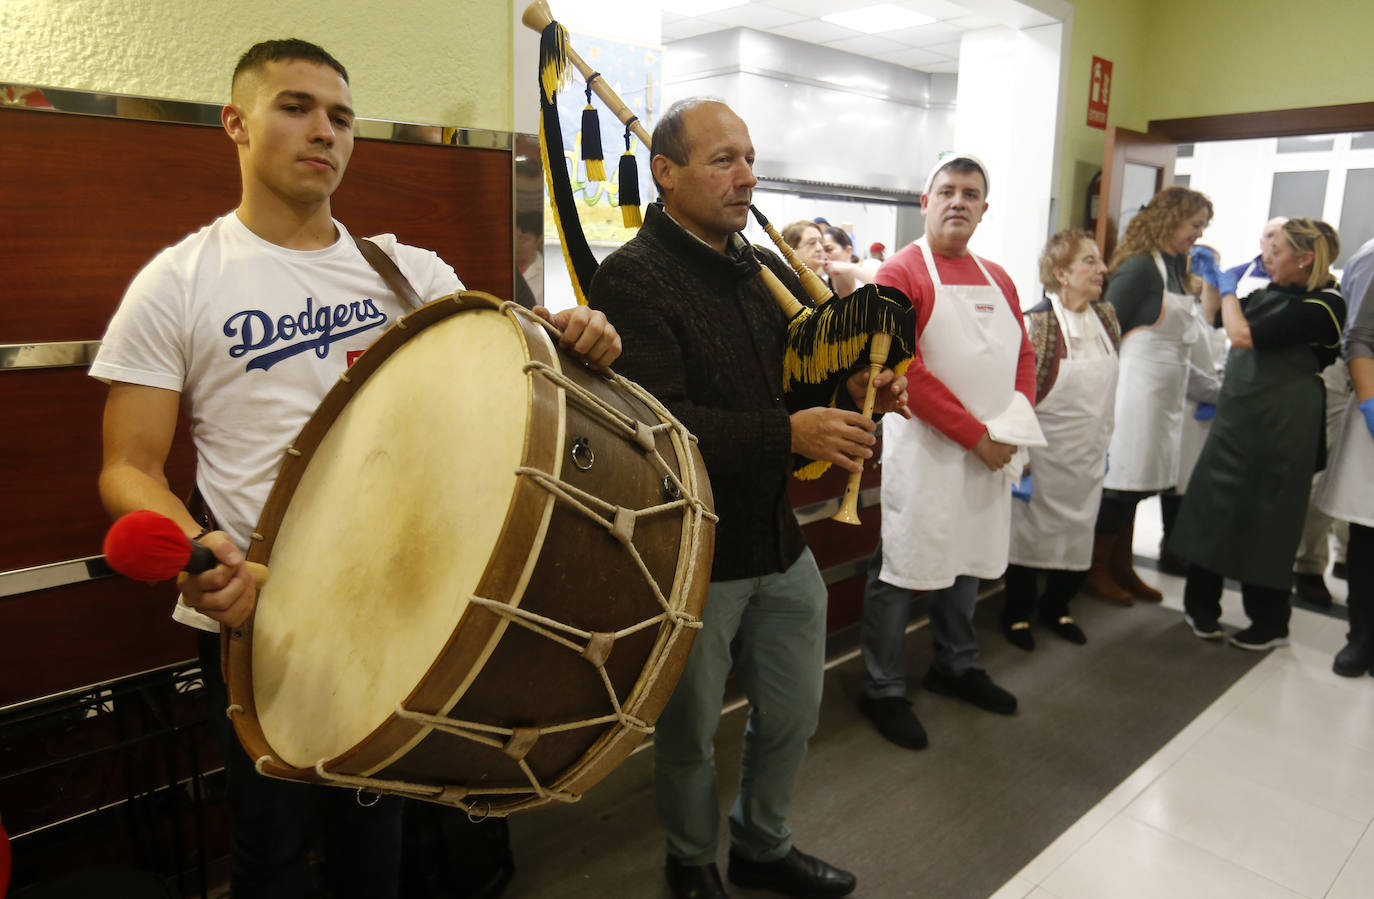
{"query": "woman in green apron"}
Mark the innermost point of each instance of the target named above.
(1248, 495)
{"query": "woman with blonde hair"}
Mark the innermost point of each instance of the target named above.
(1147, 286)
(1248, 495)
(1075, 336)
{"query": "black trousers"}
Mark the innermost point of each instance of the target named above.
(1267, 607)
(1360, 577)
(1060, 587)
(1117, 509)
(276, 823)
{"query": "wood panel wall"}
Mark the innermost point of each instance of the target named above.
(85, 202)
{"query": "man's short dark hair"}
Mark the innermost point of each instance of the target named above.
(260, 54)
(530, 222)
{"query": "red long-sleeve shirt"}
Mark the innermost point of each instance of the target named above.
(930, 400)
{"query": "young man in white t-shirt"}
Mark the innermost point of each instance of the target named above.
(247, 323)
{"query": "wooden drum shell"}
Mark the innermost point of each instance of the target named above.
(551, 560)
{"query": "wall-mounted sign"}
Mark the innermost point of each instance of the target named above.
(1099, 92)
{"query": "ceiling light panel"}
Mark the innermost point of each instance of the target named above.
(878, 19)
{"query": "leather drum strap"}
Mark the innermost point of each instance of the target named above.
(391, 274)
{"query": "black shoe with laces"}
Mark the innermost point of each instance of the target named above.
(974, 687)
(1207, 630)
(795, 874)
(1256, 640)
(894, 719)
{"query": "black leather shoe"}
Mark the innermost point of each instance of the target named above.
(974, 687)
(795, 874)
(694, 881)
(894, 719)
(1064, 626)
(1018, 634)
(1311, 589)
(1352, 661)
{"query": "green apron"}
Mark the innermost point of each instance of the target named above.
(1243, 513)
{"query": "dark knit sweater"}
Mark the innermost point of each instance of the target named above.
(702, 334)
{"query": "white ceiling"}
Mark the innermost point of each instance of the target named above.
(929, 48)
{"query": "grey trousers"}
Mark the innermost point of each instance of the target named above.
(771, 631)
(882, 630)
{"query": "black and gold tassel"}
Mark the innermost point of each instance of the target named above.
(592, 156)
(630, 214)
(824, 348)
(554, 71)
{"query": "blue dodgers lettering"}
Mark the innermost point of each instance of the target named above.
(316, 328)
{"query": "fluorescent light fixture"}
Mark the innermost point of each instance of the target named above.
(698, 7)
(878, 19)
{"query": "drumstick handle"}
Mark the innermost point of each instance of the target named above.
(538, 16)
(203, 559)
(877, 358)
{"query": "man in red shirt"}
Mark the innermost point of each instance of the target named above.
(946, 493)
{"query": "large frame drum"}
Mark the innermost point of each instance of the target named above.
(488, 565)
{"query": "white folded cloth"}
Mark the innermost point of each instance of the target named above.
(1017, 425)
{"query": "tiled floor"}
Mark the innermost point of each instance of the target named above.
(1268, 793)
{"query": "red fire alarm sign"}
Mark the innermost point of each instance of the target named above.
(1099, 92)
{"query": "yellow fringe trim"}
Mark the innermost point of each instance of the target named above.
(556, 73)
(596, 169)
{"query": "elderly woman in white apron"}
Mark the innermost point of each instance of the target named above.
(1347, 492)
(1248, 495)
(1075, 336)
(1147, 288)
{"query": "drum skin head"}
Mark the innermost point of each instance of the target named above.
(406, 498)
(488, 564)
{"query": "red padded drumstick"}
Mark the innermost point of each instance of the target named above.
(148, 546)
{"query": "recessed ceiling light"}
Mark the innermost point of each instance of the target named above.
(698, 7)
(877, 19)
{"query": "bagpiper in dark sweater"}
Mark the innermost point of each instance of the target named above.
(702, 333)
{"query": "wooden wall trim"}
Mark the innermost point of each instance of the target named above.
(1270, 123)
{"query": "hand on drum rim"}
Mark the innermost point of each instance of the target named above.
(586, 334)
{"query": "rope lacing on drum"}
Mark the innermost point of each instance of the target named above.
(517, 742)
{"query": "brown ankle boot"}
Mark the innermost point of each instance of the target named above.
(1122, 567)
(1099, 579)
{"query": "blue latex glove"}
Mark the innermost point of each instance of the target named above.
(1204, 264)
(1227, 282)
(1367, 407)
(1205, 411)
(1022, 489)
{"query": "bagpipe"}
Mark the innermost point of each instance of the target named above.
(828, 339)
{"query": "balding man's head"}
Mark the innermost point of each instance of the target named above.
(703, 164)
(1271, 227)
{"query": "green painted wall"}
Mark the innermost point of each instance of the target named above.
(446, 62)
(1179, 58)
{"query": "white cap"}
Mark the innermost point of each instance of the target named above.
(949, 156)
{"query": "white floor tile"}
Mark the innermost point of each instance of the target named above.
(1307, 701)
(1016, 888)
(1128, 859)
(1358, 874)
(1338, 777)
(1290, 841)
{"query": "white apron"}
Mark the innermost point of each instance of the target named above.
(1207, 354)
(1254, 278)
(1055, 529)
(1143, 454)
(944, 513)
(1347, 491)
